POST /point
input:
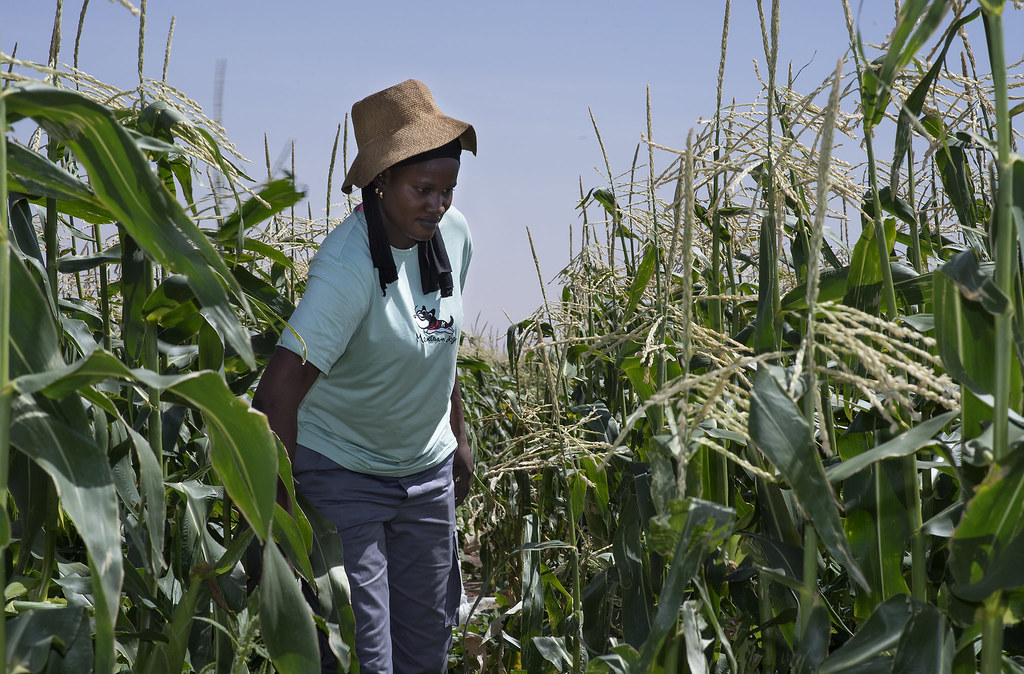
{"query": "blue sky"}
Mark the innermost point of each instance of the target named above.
(523, 73)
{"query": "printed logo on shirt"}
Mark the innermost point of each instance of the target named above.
(434, 329)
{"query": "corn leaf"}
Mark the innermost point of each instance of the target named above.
(33, 174)
(123, 180)
(271, 200)
(641, 279)
(864, 281)
(285, 618)
(242, 449)
(917, 21)
(904, 444)
(988, 544)
(706, 527)
(331, 581)
(85, 485)
(50, 640)
(915, 101)
(779, 431)
(884, 631)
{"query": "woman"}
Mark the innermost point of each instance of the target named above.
(362, 390)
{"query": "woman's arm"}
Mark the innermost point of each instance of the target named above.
(284, 384)
(462, 467)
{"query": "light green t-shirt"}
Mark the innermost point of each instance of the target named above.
(381, 404)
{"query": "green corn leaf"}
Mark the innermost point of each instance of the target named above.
(34, 339)
(988, 544)
(123, 180)
(926, 645)
(554, 651)
(271, 200)
(813, 645)
(33, 174)
(957, 182)
(917, 21)
(268, 252)
(641, 279)
(992, 6)
(85, 485)
(242, 449)
(915, 101)
(910, 286)
(780, 431)
(169, 656)
(49, 640)
(135, 279)
(876, 524)
(288, 536)
(632, 565)
(884, 631)
(1017, 206)
(26, 241)
(966, 298)
(904, 444)
(285, 618)
(331, 581)
(706, 527)
(864, 281)
(71, 264)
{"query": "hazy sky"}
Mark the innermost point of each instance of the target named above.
(523, 73)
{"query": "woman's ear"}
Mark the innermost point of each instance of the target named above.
(382, 178)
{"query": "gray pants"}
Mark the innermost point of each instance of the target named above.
(398, 535)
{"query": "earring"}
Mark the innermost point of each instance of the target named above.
(380, 193)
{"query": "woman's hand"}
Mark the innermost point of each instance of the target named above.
(462, 471)
(462, 464)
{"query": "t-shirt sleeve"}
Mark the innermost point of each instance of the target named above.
(467, 255)
(332, 308)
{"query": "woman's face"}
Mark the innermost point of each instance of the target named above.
(415, 198)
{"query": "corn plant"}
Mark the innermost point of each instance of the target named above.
(787, 453)
(141, 531)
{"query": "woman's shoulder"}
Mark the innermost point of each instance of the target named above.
(455, 221)
(348, 241)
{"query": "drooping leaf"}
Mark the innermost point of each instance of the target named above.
(33, 174)
(272, 199)
(927, 644)
(883, 631)
(918, 19)
(915, 101)
(988, 544)
(331, 581)
(285, 618)
(554, 651)
(123, 180)
(904, 444)
(84, 483)
(49, 640)
(779, 430)
(34, 341)
(242, 449)
(707, 525)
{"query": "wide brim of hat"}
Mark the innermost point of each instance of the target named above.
(382, 153)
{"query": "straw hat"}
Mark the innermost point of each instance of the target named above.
(397, 123)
